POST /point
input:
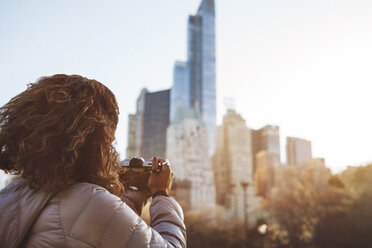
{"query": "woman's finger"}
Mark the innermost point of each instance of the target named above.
(154, 163)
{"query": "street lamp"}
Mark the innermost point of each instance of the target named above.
(245, 206)
(262, 229)
(232, 199)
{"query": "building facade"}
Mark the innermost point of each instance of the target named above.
(187, 149)
(265, 172)
(298, 152)
(135, 127)
(232, 166)
(132, 147)
(266, 139)
(180, 91)
(200, 68)
(155, 123)
(147, 128)
(208, 86)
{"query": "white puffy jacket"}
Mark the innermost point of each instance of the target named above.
(84, 215)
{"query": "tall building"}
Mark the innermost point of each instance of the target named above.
(195, 58)
(132, 131)
(135, 127)
(232, 165)
(155, 123)
(206, 101)
(201, 70)
(187, 149)
(266, 139)
(298, 152)
(180, 91)
(149, 125)
(265, 172)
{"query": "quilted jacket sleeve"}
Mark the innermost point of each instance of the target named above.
(167, 227)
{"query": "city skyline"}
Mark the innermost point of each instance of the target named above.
(301, 66)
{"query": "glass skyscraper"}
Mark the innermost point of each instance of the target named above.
(147, 128)
(180, 92)
(201, 69)
(155, 123)
(194, 86)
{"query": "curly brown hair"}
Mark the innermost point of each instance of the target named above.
(61, 129)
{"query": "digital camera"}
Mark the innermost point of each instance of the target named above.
(138, 164)
(138, 171)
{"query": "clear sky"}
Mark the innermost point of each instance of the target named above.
(303, 65)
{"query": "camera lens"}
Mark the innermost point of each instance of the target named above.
(136, 162)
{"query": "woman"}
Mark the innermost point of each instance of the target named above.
(57, 136)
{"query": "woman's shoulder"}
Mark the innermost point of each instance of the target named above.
(88, 199)
(86, 190)
(88, 212)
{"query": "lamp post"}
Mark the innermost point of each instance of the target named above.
(245, 207)
(233, 200)
(262, 229)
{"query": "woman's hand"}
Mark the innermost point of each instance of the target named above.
(161, 177)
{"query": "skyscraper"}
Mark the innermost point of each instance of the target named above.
(194, 56)
(298, 152)
(180, 91)
(155, 123)
(149, 125)
(135, 127)
(208, 64)
(187, 149)
(232, 164)
(266, 139)
(132, 131)
(201, 70)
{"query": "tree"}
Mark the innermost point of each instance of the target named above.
(299, 203)
(219, 231)
(203, 232)
(349, 225)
